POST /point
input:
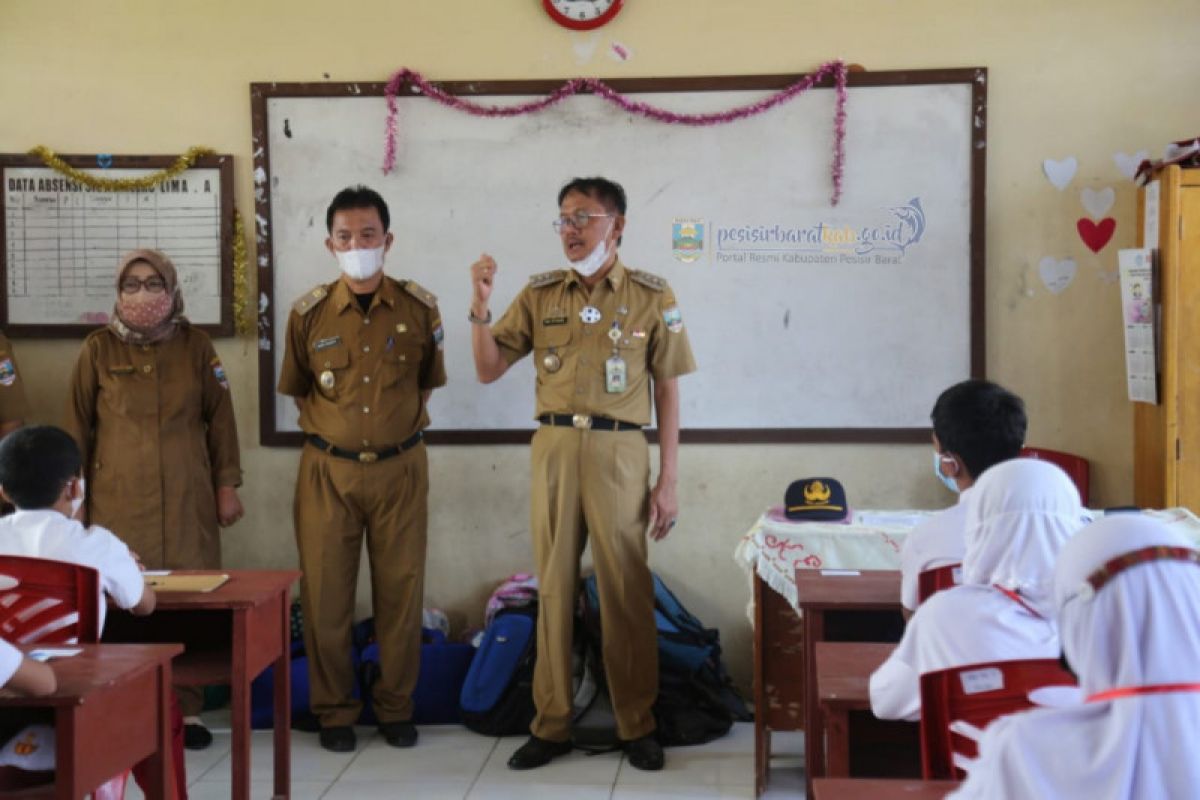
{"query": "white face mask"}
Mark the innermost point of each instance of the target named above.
(590, 264)
(77, 502)
(360, 265)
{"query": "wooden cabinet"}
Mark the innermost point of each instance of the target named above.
(1166, 466)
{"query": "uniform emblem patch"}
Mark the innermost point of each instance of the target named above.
(674, 319)
(326, 343)
(8, 372)
(219, 374)
(438, 335)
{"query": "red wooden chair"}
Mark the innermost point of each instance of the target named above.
(936, 579)
(1076, 467)
(48, 602)
(975, 694)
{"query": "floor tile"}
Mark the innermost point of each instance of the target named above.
(446, 789)
(574, 769)
(540, 791)
(443, 752)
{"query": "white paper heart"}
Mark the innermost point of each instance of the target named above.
(1129, 164)
(1096, 202)
(1057, 275)
(1060, 173)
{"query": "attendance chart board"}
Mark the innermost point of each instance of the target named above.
(62, 240)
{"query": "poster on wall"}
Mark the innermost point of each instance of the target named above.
(1138, 316)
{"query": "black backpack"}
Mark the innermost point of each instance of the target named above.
(497, 695)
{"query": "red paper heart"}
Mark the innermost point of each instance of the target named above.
(1096, 234)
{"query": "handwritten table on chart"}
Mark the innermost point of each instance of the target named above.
(63, 240)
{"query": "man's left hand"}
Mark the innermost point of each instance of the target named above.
(664, 507)
(229, 507)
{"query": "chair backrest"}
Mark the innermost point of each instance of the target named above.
(1076, 467)
(936, 579)
(51, 602)
(975, 694)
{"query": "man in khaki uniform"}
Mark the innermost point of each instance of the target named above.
(363, 355)
(14, 408)
(605, 338)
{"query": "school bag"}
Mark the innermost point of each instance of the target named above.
(497, 694)
(444, 666)
(697, 701)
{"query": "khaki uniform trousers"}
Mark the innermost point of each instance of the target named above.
(593, 484)
(337, 500)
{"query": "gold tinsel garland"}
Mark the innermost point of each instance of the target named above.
(243, 324)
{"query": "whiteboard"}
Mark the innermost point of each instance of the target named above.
(807, 320)
(62, 240)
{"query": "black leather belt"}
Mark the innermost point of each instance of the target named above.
(587, 421)
(364, 456)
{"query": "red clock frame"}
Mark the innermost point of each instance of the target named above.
(582, 25)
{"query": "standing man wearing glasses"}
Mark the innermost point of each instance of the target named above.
(364, 354)
(605, 339)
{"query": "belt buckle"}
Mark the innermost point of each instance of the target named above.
(581, 420)
(367, 457)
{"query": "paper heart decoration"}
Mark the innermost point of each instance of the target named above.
(1057, 275)
(1096, 234)
(1060, 173)
(1129, 164)
(1097, 203)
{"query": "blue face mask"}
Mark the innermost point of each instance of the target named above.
(937, 470)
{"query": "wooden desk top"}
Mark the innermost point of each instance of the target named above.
(880, 789)
(245, 589)
(98, 666)
(844, 671)
(869, 590)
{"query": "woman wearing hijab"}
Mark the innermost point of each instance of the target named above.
(150, 408)
(1127, 590)
(1019, 515)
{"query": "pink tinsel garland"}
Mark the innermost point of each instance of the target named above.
(836, 69)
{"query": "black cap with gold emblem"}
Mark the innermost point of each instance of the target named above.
(818, 499)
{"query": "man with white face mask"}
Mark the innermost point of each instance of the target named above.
(364, 353)
(605, 339)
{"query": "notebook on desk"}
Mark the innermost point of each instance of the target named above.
(170, 582)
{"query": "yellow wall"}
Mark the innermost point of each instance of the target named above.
(1068, 77)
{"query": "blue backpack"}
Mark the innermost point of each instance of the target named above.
(497, 695)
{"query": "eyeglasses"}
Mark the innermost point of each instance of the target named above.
(153, 284)
(579, 220)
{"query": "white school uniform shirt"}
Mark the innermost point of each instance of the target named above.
(10, 660)
(1019, 515)
(46, 533)
(1141, 628)
(936, 542)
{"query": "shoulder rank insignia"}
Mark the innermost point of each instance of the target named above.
(310, 300)
(547, 278)
(646, 279)
(421, 293)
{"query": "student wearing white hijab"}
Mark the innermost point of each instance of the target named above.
(1127, 589)
(1019, 515)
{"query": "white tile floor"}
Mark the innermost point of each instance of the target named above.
(452, 763)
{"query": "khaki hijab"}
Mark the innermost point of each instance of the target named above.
(169, 326)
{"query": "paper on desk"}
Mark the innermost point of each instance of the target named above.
(47, 653)
(840, 573)
(156, 573)
(890, 519)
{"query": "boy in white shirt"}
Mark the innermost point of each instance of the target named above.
(976, 425)
(41, 474)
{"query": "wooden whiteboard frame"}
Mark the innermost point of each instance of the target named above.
(975, 77)
(224, 166)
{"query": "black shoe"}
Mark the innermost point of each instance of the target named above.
(196, 736)
(399, 734)
(537, 753)
(645, 753)
(338, 739)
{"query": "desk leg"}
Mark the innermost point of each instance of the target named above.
(762, 736)
(814, 740)
(239, 706)
(837, 742)
(67, 752)
(283, 705)
(160, 769)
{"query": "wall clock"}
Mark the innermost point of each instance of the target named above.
(582, 15)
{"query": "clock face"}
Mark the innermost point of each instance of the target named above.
(582, 15)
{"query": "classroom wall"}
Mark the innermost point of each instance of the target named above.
(1066, 78)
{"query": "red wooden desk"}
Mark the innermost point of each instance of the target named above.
(778, 674)
(230, 635)
(816, 594)
(843, 685)
(879, 789)
(111, 710)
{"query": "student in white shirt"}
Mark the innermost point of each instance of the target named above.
(976, 424)
(41, 474)
(1127, 591)
(1019, 515)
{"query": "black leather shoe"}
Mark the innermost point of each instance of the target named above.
(537, 753)
(338, 739)
(399, 734)
(196, 737)
(645, 753)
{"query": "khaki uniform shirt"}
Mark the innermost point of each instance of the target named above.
(156, 427)
(546, 318)
(361, 375)
(13, 405)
